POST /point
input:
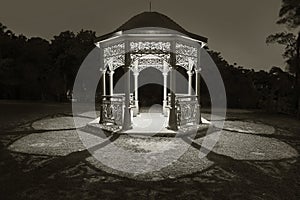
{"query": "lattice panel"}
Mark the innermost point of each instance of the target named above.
(150, 47)
(112, 111)
(185, 55)
(114, 55)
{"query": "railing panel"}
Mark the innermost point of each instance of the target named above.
(113, 110)
(187, 112)
(187, 109)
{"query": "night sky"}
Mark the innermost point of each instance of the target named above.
(236, 28)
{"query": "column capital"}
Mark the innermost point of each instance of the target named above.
(173, 67)
(103, 70)
(198, 70)
(111, 73)
(191, 63)
(165, 73)
(190, 73)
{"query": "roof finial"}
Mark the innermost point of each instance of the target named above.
(150, 5)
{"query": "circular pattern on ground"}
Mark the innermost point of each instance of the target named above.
(54, 143)
(149, 159)
(60, 123)
(247, 127)
(249, 147)
(212, 118)
(159, 157)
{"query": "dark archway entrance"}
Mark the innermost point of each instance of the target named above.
(152, 93)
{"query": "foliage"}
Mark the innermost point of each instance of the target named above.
(37, 69)
(289, 13)
(286, 39)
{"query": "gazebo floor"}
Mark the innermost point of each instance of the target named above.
(149, 124)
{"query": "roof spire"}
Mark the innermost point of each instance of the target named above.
(150, 5)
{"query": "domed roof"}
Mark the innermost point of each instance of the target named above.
(150, 19)
(153, 19)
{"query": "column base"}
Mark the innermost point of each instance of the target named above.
(199, 118)
(165, 109)
(136, 109)
(172, 125)
(127, 123)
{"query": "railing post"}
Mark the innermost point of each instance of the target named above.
(111, 82)
(136, 96)
(173, 113)
(136, 73)
(101, 111)
(198, 79)
(165, 100)
(127, 115)
(103, 71)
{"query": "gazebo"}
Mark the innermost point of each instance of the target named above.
(150, 39)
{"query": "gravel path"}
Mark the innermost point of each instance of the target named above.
(42, 157)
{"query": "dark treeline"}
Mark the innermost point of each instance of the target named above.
(36, 69)
(273, 91)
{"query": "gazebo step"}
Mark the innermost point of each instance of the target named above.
(190, 130)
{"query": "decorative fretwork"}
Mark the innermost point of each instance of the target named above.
(150, 61)
(114, 56)
(141, 68)
(112, 110)
(156, 49)
(150, 47)
(186, 56)
(186, 50)
(156, 63)
(139, 56)
(187, 110)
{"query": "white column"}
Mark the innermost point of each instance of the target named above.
(197, 82)
(165, 100)
(111, 76)
(190, 74)
(136, 97)
(198, 77)
(127, 122)
(103, 94)
(173, 120)
(104, 82)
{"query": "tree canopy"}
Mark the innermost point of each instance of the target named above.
(38, 69)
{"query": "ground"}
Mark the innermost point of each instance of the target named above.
(256, 157)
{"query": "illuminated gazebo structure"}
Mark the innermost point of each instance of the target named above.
(150, 39)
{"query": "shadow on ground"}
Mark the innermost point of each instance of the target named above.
(71, 176)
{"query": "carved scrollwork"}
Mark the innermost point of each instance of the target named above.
(185, 55)
(114, 55)
(142, 49)
(187, 110)
(112, 110)
(139, 56)
(150, 47)
(150, 62)
(114, 50)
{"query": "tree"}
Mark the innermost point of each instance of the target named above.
(286, 39)
(36, 64)
(289, 15)
(68, 51)
(11, 49)
(297, 71)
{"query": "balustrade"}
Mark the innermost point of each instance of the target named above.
(112, 109)
(187, 109)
